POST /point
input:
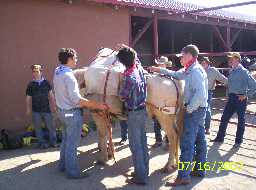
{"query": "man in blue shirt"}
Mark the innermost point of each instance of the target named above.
(241, 85)
(133, 92)
(70, 104)
(193, 142)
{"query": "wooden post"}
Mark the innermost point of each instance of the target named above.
(155, 36)
(228, 42)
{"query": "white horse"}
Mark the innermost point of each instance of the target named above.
(101, 82)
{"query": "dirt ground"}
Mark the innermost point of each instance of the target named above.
(33, 169)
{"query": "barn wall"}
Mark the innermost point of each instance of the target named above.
(32, 32)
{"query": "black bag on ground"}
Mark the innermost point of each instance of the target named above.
(8, 141)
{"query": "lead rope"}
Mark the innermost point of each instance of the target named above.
(107, 113)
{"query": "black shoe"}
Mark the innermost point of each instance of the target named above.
(81, 176)
(134, 181)
(217, 140)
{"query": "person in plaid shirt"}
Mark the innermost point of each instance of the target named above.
(133, 92)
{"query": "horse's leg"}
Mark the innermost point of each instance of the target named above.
(167, 124)
(103, 134)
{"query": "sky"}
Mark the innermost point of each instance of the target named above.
(246, 10)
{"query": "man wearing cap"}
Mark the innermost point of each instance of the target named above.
(195, 99)
(213, 75)
(70, 104)
(161, 62)
(241, 85)
(39, 92)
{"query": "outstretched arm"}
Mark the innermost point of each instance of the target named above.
(179, 75)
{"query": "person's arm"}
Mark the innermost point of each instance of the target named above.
(221, 78)
(251, 86)
(126, 88)
(29, 99)
(77, 99)
(179, 75)
(52, 101)
(200, 92)
(28, 105)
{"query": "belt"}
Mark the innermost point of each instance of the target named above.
(137, 109)
(237, 94)
(72, 109)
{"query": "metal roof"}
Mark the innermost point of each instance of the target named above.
(179, 6)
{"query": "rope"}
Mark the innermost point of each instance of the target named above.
(107, 113)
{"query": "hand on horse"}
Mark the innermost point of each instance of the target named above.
(101, 107)
(154, 69)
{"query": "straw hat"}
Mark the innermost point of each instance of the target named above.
(163, 60)
(234, 55)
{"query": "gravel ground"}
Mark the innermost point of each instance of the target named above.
(33, 169)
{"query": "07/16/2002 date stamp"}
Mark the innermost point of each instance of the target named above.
(211, 166)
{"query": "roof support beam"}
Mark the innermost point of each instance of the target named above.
(140, 34)
(218, 34)
(235, 37)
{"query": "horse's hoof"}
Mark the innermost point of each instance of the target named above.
(168, 170)
(110, 156)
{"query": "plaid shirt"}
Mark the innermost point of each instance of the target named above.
(133, 91)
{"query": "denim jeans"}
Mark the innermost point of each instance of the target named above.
(193, 143)
(138, 144)
(208, 110)
(157, 130)
(124, 129)
(233, 105)
(37, 121)
(71, 134)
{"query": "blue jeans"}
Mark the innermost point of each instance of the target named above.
(124, 129)
(157, 130)
(193, 143)
(37, 121)
(233, 105)
(138, 144)
(208, 110)
(71, 134)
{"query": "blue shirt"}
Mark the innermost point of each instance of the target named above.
(241, 82)
(66, 88)
(133, 89)
(196, 85)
